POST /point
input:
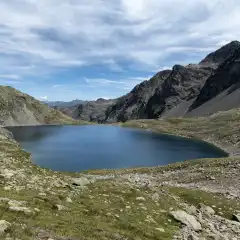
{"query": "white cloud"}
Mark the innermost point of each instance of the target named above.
(124, 84)
(10, 76)
(38, 37)
(45, 98)
(102, 81)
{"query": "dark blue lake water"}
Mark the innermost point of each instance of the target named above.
(76, 148)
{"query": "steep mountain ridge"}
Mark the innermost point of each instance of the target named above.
(221, 54)
(186, 87)
(226, 76)
(184, 83)
(17, 108)
(93, 111)
(193, 90)
(134, 103)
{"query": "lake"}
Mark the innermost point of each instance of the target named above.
(77, 148)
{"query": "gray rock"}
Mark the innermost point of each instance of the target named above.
(186, 219)
(82, 181)
(155, 197)
(4, 226)
(160, 229)
(142, 199)
(192, 210)
(59, 207)
(24, 210)
(69, 200)
(16, 203)
(206, 209)
(236, 217)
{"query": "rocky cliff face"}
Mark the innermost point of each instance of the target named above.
(17, 108)
(192, 90)
(221, 54)
(184, 89)
(93, 111)
(183, 84)
(227, 76)
(133, 105)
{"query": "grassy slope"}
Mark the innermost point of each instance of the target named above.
(12, 101)
(221, 129)
(108, 209)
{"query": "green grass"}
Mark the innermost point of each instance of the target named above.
(109, 209)
(92, 214)
(221, 129)
(222, 206)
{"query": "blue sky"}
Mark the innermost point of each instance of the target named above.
(72, 49)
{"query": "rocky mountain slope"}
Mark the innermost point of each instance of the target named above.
(92, 111)
(17, 108)
(224, 81)
(132, 105)
(187, 88)
(193, 90)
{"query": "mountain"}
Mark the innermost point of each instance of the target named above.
(132, 105)
(65, 104)
(221, 54)
(183, 90)
(199, 89)
(93, 111)
(17, 108)
(221, 91)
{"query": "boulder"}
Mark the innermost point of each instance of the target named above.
(24, 210)
(236, 217)
(142, 199)
(82, 181)
(155, 197)
(186, 219)
(4, 226)
(59, 207)
(206, 209)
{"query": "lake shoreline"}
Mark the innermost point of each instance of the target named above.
(70, 142)
(230, 150)
(83, 199)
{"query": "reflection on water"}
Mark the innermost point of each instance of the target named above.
(76, 148)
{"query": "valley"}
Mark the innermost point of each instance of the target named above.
(194, 199)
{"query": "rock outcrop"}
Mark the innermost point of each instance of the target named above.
(226, 77)
(133, 105)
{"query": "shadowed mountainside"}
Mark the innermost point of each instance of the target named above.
(194, 90)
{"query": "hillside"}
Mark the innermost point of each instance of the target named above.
(92, 111)
(194, 90)
(196, 199)
(186, 89)
(17, 108)
(132, 105)
(222, 129)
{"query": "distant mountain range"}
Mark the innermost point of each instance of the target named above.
(194, 90)
(201, 89)
(64, 104)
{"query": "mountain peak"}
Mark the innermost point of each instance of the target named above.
(220, 55)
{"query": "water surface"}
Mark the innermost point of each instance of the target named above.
(76, 148)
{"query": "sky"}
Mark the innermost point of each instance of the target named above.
(87, 49)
